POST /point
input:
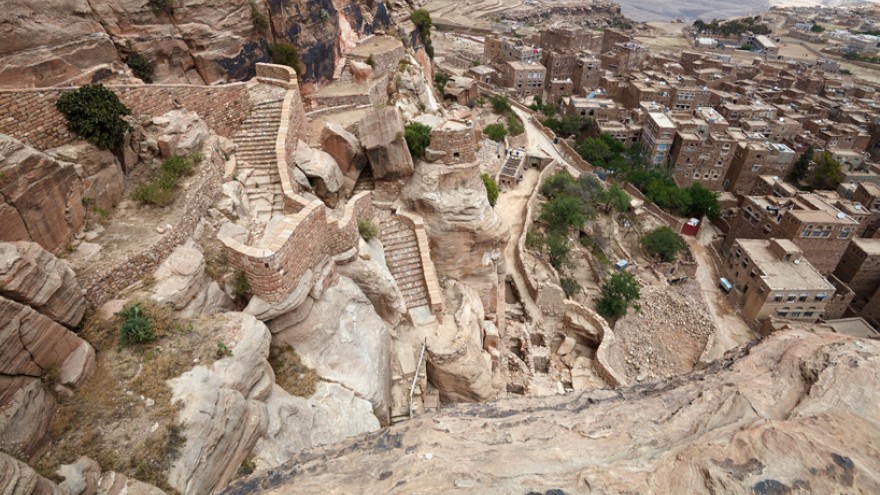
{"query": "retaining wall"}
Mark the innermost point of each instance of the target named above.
(606, 341)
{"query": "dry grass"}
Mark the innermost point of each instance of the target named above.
(290, 372)
(109, 419)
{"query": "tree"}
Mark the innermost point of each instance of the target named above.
(828, 173)
(258, 19)
(95, 113)
(514, 126)
(569, 125)
(817, 28)
(703, 202)
(491, 189)
(557, 250)
(422, 19)
(418, 138)
(562, 213)
(141, 67)
(615, 199)
(440, 80)
(801, 166)
(663, 243)
(495, 132)
(500, 104)
(285, 54)
(618, 292)
(556, 184)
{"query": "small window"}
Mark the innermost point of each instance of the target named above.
(791, 298)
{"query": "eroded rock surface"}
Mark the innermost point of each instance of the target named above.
(182, 283)
(17, 478)
(100, 171)
(370, 272)
(381, 132)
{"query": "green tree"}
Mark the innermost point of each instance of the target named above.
(828, 173)
(569, 125)
(514, 125)
(500, 104)
(556, 184)
(440, 80)
(703, 202)
(618, 292)
(141, 67)
(615, 199)
(801, 166)
(495, 132)
(285, 54)
(95, 113)
(491, 189)
(817, 28)
(663, 243)
(422, 20)
(557, 250)
(418, 138)
(562, 213)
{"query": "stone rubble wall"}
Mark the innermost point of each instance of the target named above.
(30, 116)
(601, 361)
(435, 293)
(455, 141)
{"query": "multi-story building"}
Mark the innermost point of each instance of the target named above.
(658, 134)
(859, 267)
(701, 158)
(588, 74)
(557, 89)
(566, 39)
(756, 157)
(498, 49)
(772, 279)
(626, 132)
(522, 78)
(599, 110)
(560, 65)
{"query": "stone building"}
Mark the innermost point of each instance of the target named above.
(522, 78)
(557, 89)
(588, 75)
(483, 74)
(626, 132)
(453, 142)
(658, 134)
(754, 158)
(499, 49)
(568, 39)
(859, 267)
(772, 279)
(701, 158)
(599, 110)
(560, 65)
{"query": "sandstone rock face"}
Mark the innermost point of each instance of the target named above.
(346, 149)
(467, 237)
(33, 276)
(456, 364)
(100, 171)
(360, 70)
(182, 283)
(81, 477)
(26, 411)
(321, 169)
(77, 41)
(17, 478)
(41, 196)
(113, 483)
(178, 133)
(341, 337)
(370, 272)
(331, 414)
(223, 413)
(31, 343)
(793, 414)
(381, 133)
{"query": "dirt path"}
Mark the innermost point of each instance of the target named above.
(538, 141)
(511, 208)
(731, 330)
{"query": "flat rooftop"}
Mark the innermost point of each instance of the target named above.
(854, 327)
(869, 246)
(783, 275)
(661, 119)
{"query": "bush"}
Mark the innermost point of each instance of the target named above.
(615, 199)
(663, 243)
(746, 46)
(241, 286)
(141, 67)
(562, 213)
(514, 125)
(491, 189)
(258, 19)
(418, 138)
(367, 229)
(440, 80)
(95, 114)
(290, 372)
(534, 239)
(422, 19)
(285, 54)
(137, 327)
(500, 104)
(324, 16)
(618, 292)
(370, 61)
(569, 125)
(495, 132)
(159, 189)
(570, 286)
(828, 173)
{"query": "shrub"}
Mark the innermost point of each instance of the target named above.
(617, 293)
(422, 19)
(367, 229)
(615, 198)
(491, 188)
(223, 350)
(324, 16)
(440, 80)
(570, 286)
(290, 372)
(94, 113)
(285, 54)
(137, 327)
(514, 125)
(418, 138)
(500, 104)
(159, 189)
(370, 61)
(562, 213)
(557, 250)
(663, 243)
(241, 286)
(141, 67)
(534, 239)
(746, 46)
(258, 19)
(495, 132)
(166, 6)
(828, 173)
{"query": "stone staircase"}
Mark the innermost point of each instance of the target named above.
(365, 181)
(402, 254)
(257, 165)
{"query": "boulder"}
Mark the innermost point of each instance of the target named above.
(322, 171)
(343, 339)
(181, 282)
(346, 149)
(223, 414)
(80, 477)
(26, 411)
(232, 202)
(31, 344)
(40, 197)
(382, 134)
(100, 171)
(114, 483)
(33, 276)
(456, 364)
(177, 133)
(331, 414)
(361, 71)
(17, 478)
(370, 272)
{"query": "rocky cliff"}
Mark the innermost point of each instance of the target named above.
(69, 42)
(791, 414)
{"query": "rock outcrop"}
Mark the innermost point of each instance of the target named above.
(223, 413)
(382, 134)
(346, 149)
(100, 171)
(370, 272)
(339, 335)
(31, 275)
(177, 133)
(17, 478)
(40, 197)
(793, 414)
(182, 283)
(321, 170)
(457, 365)
(26, 411)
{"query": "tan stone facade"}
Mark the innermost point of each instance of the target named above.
(859, 267)
(754, 158)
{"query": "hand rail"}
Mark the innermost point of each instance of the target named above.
(416, 378)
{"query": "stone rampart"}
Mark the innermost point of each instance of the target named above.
(606, 341)
(30, 116)
(297, 243)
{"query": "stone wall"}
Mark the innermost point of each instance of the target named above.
(601, 361)
(376, 93)
(456, 141)
(108, 284)
(296, 244)
(30, 116)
